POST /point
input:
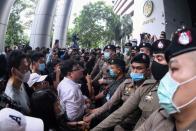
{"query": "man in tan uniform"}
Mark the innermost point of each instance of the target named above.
(176, 92)
(139, 64)
(144, 97)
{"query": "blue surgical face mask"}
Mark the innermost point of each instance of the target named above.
(107, 55)
(42, 67)
(166, 91)
(126, 50)
(112, 73)
(137, 76)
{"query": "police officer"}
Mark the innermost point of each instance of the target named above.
(118, 53)
(127, 53)
(145, 48)
(134, 50)
(176, 92)
(109, 54)
(144, 97)
(140, 67)
(117, 73)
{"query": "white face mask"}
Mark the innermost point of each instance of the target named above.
(26, 77)
(23, 77)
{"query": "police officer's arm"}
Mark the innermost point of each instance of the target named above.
(120, 114)
(96, 67)
(154, 119)
(115, 99)
(98, 76)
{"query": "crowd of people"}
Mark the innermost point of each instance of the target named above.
(146, 86)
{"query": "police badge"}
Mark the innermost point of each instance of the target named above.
(185, 38)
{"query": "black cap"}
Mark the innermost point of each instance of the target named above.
(134, 42)
(128, 44)
(112, 47)
(135, 48)
(145, 44)
(141, 58)
(183, 41)
(119, 62)
(118, 47)
(160, 45)
(162, 35)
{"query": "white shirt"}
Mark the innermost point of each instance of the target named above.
(71, 98)
(18, 95)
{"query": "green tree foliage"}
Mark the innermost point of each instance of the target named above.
(14, 34)
(97, 25)
(126, 25)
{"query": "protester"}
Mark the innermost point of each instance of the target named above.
(19, 74)
(70, 95)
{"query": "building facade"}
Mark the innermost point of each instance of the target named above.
(154, 16)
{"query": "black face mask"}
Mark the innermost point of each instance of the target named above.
(158, 70)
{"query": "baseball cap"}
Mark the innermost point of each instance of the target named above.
(34, 77)
(12, 120)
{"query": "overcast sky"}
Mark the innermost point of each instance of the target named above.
(78, 5)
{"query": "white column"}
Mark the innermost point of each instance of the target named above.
(42, 24)
(5, 8)
(62, 21)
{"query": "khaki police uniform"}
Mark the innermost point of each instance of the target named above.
(161, 121)
(145, 97)
(121, 95)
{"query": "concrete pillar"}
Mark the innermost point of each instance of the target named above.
(5, 8)
(42, 24)
(62, 21)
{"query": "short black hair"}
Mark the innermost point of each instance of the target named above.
(36, 56)
(67, 66)
(15, 58)
(3, 65)
(42, 106)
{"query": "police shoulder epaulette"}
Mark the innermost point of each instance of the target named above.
(128, 81)
(149, 81)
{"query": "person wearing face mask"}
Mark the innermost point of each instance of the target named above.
(145, 98)
(117, 72)
(127, 49)
(109, 54)
(38, 63)
(118, 53)
(176, 92)
(19, 74)
(159, 62)
(139, 64)
(127, 53)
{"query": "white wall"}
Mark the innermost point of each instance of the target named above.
(167, 15)
(153, 24)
